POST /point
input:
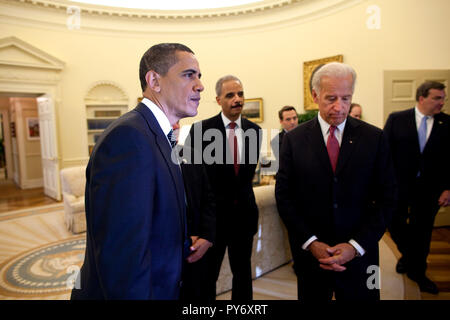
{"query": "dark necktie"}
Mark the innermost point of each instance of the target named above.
(333, 148)
(232, 142)
(171, 138)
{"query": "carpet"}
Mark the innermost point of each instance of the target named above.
(38, 255)
(46, 270)
(39, 259)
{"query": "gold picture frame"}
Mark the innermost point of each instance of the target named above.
(308, 69)
(253, 109)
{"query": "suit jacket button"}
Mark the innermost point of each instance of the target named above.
(335, 179)
(335, 205)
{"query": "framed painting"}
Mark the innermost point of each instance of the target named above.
(253, 109)
(309, 68)
(32, 128)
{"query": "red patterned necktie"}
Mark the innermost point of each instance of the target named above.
(333, 148)
(232, 142)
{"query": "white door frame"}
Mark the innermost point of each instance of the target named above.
(7, 143)
(51, 92)
(32, 71)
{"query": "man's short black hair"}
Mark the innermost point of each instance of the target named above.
(424, 89)
(353, 105)
(285, 108)
(159, 58)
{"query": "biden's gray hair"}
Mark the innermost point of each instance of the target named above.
(335, 70)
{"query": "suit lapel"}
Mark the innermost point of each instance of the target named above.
(218, 124)
(348, 143)
(411, 127)
(435, 131)
(245, 148)
(317, 144)
(166, 151)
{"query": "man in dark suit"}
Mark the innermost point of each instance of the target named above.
(135, 198)
(201, 227)
(419, 139)
(231, 160)
(288, 120)
(335, 192)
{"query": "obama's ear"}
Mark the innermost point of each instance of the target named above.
(153, 80)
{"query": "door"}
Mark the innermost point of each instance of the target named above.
(400, 94)
(400, 88)
(49, 147)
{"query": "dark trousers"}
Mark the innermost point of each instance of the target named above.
(199, 280)
(239, 255)
(316, 284)
(412, 226)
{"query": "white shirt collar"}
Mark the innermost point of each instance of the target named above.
(162, 119)
(325, 126)
(420, 115)
(227, 121)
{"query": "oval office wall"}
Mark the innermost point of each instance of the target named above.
(266, 49)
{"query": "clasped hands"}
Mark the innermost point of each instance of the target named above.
(332, 258)
(198, 248)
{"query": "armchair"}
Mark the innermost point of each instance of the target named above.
(73, 182)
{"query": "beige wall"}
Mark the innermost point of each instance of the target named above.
(269, 60)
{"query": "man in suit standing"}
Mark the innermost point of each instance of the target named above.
(335, 192)
(419, 139)
(288, 120)
(135, 199)
(231, 160)
(201, 227)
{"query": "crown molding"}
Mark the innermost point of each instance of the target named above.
(54, 14)
(64, 5)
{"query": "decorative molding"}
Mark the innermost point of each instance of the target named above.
(58, 14)
(99, 10)
(30, 75)
(93, 97)
(72, 162)
(16, 65)
(42, 59)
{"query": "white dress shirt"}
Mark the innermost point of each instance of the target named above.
(162, 119)
(339, 133)
(237, 131)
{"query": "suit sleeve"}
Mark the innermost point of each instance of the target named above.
(284, 194)
(121, 192)
(388, 127)
(207, 228)
(383, 198)
(446, 152)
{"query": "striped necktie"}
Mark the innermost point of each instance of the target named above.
(171, 137)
